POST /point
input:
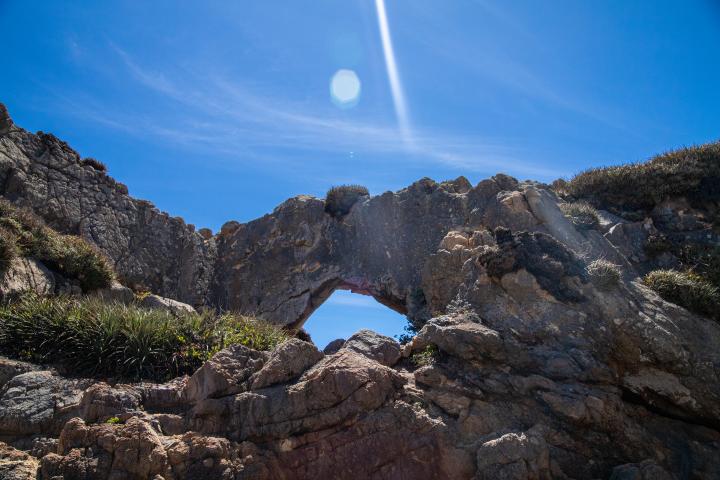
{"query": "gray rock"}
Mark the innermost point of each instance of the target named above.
(377, 347)
(38, 402)
(162, 303)
(11, 368)
(226, 373)
(115, 293)
(334, 346)
(286, 362)
(150, 249)
(26, 275)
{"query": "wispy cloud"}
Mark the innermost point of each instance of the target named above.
(220, 115)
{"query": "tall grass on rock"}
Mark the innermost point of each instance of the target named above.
(25, 234)
(96, 338)
(581, 214)
(693, 172)
(603, 273)
(686, 289)
(339, 200)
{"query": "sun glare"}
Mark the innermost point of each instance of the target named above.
(345, 88)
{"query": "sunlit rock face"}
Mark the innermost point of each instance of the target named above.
(524, 367)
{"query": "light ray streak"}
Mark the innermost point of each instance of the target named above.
(396, 88)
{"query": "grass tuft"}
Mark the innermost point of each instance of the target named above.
(581, 214)
(603, 273)
(124, 341)
(339, 200)
(686, 289)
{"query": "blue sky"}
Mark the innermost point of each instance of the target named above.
(220, 110)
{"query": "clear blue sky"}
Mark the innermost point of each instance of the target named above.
(220, 110)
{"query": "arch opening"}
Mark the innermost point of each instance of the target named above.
(346, 310)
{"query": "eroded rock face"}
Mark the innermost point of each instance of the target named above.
(522, 368)
(149, 248)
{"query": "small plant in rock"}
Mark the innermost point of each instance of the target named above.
(686, 289)
(581, 214)
(656, 245)
(426, 356)
(113, 421)
(339, 200)
(96, 164)
(8, 249)
(603, 273)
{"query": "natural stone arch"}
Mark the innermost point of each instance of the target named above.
(318, 297)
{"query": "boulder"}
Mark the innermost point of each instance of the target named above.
(226, 373)
(286, 362)
(377, 347)
(334, 346)
(162, 303)
(26, 275)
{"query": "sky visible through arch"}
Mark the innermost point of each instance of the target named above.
(220, 110)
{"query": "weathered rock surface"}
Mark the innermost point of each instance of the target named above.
(149, 248)
(26, 275)
(522, 368)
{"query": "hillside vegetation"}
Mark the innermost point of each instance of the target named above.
(24, 234)
(92, 337)
(692, 172)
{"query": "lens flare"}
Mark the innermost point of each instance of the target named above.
(345, 88)
(394, 77)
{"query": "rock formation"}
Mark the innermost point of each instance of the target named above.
(523, 367)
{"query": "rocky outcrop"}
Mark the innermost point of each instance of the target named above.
(522, 367)
(149, 249)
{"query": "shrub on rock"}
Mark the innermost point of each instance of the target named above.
(603, 273)
(581, 214)
(96, 164)
(686, 289)
(339, 200)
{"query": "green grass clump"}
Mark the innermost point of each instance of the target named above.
(686, 289)
(581, 214)
(27, 235)
(339, 200)
(603, 273)
(124, 341)
(693, 172)
(426, 356)
(113, 421)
